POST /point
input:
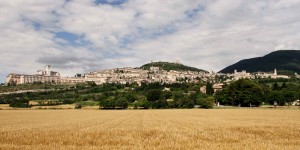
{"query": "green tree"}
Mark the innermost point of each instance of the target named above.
(177, 95)
(160, 104)
(108, 103)
(185, 102)
(143, 103)
(275, 96)
(209, 88)
(207, 102)
(289, 96)
(130, 97)
(244, 92)
(20, 102)
(121, 103)
(221, 96)
(154, 95)
(283, 86)
(275, 86)
(166, 95)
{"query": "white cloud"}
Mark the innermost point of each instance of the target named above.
(201, 33)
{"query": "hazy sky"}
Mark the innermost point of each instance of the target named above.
(76, 36)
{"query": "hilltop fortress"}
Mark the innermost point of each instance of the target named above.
(130, 75)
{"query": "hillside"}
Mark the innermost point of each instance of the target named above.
(282, 60)
(170, 66)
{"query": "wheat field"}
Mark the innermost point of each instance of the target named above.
(150, 129)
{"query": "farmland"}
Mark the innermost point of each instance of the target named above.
(150, 129)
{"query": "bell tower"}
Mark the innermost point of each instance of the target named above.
(47, 69)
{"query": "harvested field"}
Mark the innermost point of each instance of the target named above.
(150, 129)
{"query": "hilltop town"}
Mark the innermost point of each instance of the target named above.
(129, 75)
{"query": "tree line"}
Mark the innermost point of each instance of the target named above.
(120, 96)
(243, 92)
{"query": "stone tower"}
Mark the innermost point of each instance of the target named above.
(47, 69)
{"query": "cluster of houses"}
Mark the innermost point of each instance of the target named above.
(246, 75)
(155, 74)
(126, 75)
(130, 75)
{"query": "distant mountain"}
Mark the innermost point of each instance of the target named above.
(171, 66)
(282, 60)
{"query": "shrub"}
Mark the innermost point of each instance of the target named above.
(121, 103)
(78, 106)
(143, 103)
(206, 102)
(19, 105)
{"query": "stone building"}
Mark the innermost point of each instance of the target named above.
(43, 76)
(242, 75)
(271, 75)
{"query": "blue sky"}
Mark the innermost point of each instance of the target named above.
(70, 37)
(78, 36)
(110, 2)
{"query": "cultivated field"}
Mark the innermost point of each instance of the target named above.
(150, 129)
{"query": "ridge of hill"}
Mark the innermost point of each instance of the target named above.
(282, 60)
(171, 66)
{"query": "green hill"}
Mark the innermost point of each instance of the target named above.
(170, 66)
(282, 60)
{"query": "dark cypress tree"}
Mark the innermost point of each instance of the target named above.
(275, 86)
(283, 85)
(209, 88)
